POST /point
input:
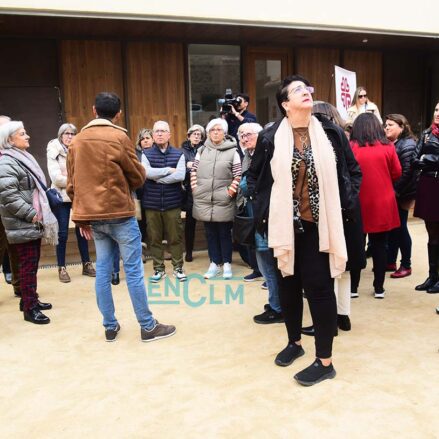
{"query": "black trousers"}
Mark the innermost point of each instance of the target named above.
(378, 242)
(189, 231)
(312, 275)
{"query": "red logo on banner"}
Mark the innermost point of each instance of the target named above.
(345, 95)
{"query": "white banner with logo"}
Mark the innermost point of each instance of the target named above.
(345, 85)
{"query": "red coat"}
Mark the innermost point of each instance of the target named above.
(380, 167)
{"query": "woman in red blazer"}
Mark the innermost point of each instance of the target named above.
(380, 166)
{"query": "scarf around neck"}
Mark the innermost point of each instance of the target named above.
(435, 130)
(330, 224)
(40, 202)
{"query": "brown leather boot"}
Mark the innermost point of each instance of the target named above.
(63, 275)
(88, 269)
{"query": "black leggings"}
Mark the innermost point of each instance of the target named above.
(433, 232)
(312, 275)
(378, 243)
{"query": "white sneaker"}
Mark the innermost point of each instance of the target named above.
(212, 271)
(227, 270)
(354, 295)
(180, 275)
(379, 295)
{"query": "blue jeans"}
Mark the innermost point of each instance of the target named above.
(268, 267)
(62, 214)
(219, 241)
(116, 260)
(125, 233)
(399, 239)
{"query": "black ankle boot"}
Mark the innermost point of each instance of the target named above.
(434, 289)
(115, 279)
(40, 305)
(343, 322)
(433, 256)
(34, 315)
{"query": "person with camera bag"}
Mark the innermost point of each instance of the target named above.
(304, 191)
(234, 110)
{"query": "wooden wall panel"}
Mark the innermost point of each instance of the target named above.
(156, 87)
(369, 69)
(317, 65)
(87, 68)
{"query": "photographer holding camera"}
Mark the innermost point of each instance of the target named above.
(234, 110)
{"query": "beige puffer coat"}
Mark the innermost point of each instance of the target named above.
(212, 201)
(57, 167)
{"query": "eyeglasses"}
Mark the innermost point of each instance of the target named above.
(301, 89)
(362, 96)
(161, 131)
(69, 134)
(246, 135)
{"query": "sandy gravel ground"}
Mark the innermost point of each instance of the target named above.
(216, 377)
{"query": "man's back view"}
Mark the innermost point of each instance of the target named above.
(103, 171)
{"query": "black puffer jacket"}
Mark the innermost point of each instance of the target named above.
(427, 154)
(405, 187)
(189, 152)
(260, 180)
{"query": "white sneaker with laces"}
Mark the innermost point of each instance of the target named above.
(157, 276)
(212, 271)
(227, 270)
(180, 275)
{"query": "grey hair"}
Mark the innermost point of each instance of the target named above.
(161, 122)
(6, 131)
(218, 121)
(4, 119)
(194, 128)
(252, 126)
(64, 127)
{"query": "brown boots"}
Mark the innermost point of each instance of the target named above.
(87, 270)
(63, 275)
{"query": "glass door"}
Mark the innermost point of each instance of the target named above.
(264, 71)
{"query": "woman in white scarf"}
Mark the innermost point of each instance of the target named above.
(307, 240)
(25, 213)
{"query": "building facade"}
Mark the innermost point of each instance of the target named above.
(175, 61)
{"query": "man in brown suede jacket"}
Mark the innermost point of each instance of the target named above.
(103, 171)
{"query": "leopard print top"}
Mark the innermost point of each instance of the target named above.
(313, 183)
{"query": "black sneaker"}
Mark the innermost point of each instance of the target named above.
(252, 277)
(289, 354)
(111, 334)
(315, 373)
(269, 316)
(159, 331)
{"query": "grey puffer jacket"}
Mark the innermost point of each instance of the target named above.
(16, 193)
(212, 202)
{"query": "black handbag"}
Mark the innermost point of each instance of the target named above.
(244, 230)
(53, 196)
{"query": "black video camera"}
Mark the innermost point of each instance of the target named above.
(229, 101)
